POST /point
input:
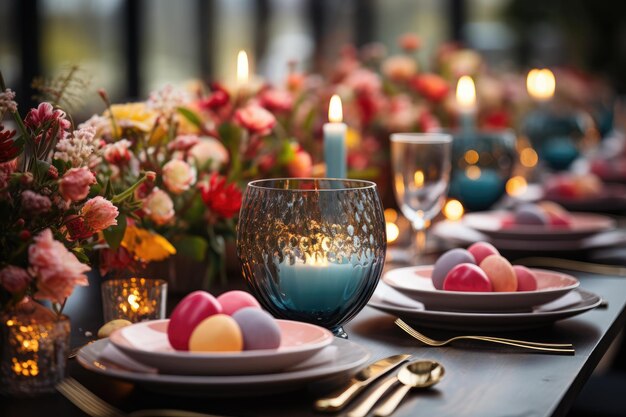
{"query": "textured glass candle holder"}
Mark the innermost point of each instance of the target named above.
(482, 163)
(312, 249)
(134, 299)
(34, 344)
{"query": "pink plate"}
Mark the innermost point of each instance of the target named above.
(415, 282)
(583, 225)
(147, 343)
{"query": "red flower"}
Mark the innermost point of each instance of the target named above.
(221, 198)
(497, 119)
(410, 42)
(431, 86)
(8, 149)
(218, 98)
(45, 116)
(277, 100)
(115, 260)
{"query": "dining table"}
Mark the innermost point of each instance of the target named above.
(480, 379)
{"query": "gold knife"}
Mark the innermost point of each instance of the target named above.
(362, 379)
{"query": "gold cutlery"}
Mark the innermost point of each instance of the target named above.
(94, 406)
(543, 347)
(419, 374)
(362, 379)
(573, 265)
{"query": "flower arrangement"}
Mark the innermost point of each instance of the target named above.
(53, 208)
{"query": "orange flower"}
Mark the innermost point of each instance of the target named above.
(146, 246)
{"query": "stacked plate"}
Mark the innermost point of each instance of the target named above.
(409, 294)
(141, 353)
(587, 231)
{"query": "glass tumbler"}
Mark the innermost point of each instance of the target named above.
(312, 249)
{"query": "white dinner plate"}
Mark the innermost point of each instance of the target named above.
(582, 225)
(416, 283)
(147, 342)
(350, 357)
(582, 301)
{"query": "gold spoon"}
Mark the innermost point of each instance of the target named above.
(418, 374)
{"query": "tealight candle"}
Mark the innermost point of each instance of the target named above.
(466, 100)
(541, 84)
(335, 140)
(134, 299)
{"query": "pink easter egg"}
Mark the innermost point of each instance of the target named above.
(189, 312)
(467, 277)
(481, 250)
(526, 279)
(232, 301)
(500, 273)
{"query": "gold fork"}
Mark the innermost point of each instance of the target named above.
(544, 347)
(94, 406)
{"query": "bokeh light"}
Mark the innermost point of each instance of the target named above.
(453, 210)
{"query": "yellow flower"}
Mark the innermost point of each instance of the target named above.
(145, 245)
(133, 115)
(353, 138)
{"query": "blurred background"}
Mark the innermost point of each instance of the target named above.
(130, 47)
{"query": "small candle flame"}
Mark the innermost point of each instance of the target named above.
(242, 67)
(541, 84)
(453, 210)
(466, 93)
(133, 302)
(335, 111)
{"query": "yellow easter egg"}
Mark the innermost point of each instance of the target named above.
(500, 272)
(217, 333)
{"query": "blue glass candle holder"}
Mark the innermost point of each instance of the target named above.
(555, 136)
(312, 250)
(482, 163)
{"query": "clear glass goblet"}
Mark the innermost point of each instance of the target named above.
(421, 176)
(312, 249)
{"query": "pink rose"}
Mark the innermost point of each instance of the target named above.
(56, 270)
(178, 176)
(277, 100)
(399, 67)
(301, 165)
(118, 152)
(363, 81)
(410, 42)
(14, 279)
(208, 153)
(47, 118)
(256, 119)
(99, 213)
(158, 206)
(183, 143)
(74, 186)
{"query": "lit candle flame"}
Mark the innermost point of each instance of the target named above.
(133, 302)
(242, 68)
(393, 231)
(335, 111)
(541, 84)
(466, 93)
(453, 210)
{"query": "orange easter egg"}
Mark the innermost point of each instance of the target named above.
(217, 333)
(500, 272)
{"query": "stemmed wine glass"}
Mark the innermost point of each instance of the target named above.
(421, 176)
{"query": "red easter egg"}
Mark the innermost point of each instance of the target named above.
(559, 219)
(189, 312)
(481, 250)
(467, 277)
(526, 279)
(232, 301)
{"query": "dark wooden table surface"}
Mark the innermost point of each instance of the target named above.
(480, 380)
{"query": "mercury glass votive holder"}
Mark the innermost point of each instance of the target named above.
(482, 163)
(134, 299)
(312, 250)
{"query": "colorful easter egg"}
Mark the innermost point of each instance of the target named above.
(232, 301)
(446, 262)
(259, 329)
(467, 277)
(500, 272)
(217, 333)
(480, 250)
(531, 214)
(189, 312)
(526, 279)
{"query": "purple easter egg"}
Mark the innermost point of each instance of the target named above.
(446, 262)
(258, 327)
(531, 214)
